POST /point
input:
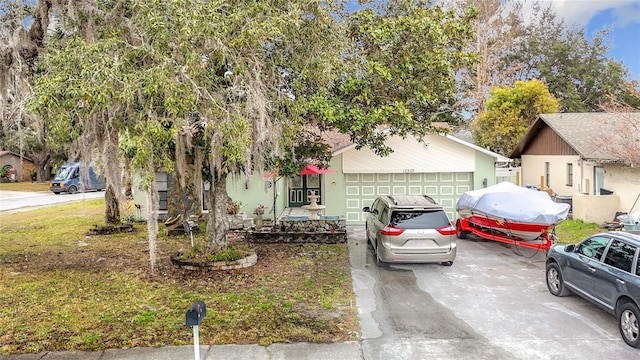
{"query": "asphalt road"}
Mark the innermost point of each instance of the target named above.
(491, 304)
(12, 201)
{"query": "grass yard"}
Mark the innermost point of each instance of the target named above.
(24, 186)
(63, 290)
(573, 231)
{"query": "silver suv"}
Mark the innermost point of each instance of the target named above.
(605, 270)
(410, 228)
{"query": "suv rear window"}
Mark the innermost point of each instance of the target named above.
(419, 219)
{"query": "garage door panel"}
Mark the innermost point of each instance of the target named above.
(353, 204)
(356, 178)
(431, 190)
(445, 188)
(415, 177)
(400, 190)
(352, 190)
(461, 189)
(446, 177)
(448, 203)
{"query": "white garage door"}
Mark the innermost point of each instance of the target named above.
(362, 189)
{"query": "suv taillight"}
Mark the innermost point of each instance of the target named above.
(391, 231)
(447, 230)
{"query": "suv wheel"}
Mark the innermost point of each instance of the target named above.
(72, 189)
(554, 280)
(628, 316)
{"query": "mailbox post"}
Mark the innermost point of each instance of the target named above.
(194, 317)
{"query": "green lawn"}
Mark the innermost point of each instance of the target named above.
(61, 289)
(25, 186)
(572, 231)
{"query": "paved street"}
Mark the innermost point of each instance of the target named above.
(23, 201)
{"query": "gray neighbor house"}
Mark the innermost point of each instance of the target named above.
(568, 153)
(441, 166)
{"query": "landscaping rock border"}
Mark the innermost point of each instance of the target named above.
(199, 264)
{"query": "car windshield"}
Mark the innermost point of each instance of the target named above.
(63, 173)
(421, 219)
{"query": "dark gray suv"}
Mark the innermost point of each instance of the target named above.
(605, 270)
(410, 228)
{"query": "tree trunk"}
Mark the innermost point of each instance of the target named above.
(111, 207)
(42, 172)
(113, 174)
(217, 222)
(41, 161)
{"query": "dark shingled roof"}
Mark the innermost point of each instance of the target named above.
(582, 131)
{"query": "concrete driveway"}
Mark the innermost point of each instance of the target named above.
(491, 304)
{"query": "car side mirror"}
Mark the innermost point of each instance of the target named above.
(570, 248)
(366, 209)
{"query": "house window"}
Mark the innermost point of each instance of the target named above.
(162, 184)
(547, 171)
(569, 174)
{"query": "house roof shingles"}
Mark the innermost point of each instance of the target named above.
(8, 152)
(582, 131)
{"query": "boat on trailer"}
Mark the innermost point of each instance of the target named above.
(512, 214)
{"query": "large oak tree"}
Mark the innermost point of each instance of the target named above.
(219, 85)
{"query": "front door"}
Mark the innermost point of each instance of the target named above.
(303, 186)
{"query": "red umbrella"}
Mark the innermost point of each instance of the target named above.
(311, 169)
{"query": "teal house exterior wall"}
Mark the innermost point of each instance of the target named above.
(485, 169)
(438, 166)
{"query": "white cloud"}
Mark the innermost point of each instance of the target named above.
(629, 14)
(580, 12)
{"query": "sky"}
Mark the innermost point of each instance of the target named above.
(622, 17)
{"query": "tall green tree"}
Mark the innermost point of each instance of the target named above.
(164, 80)
(402, 75)
(577, 70)
(575, 67)
(509, 113)
(218, 84)
(23, 27)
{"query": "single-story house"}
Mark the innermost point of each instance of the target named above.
(20, 165)
(441, 166)
(569, 154)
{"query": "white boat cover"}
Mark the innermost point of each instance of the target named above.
(514, 203)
